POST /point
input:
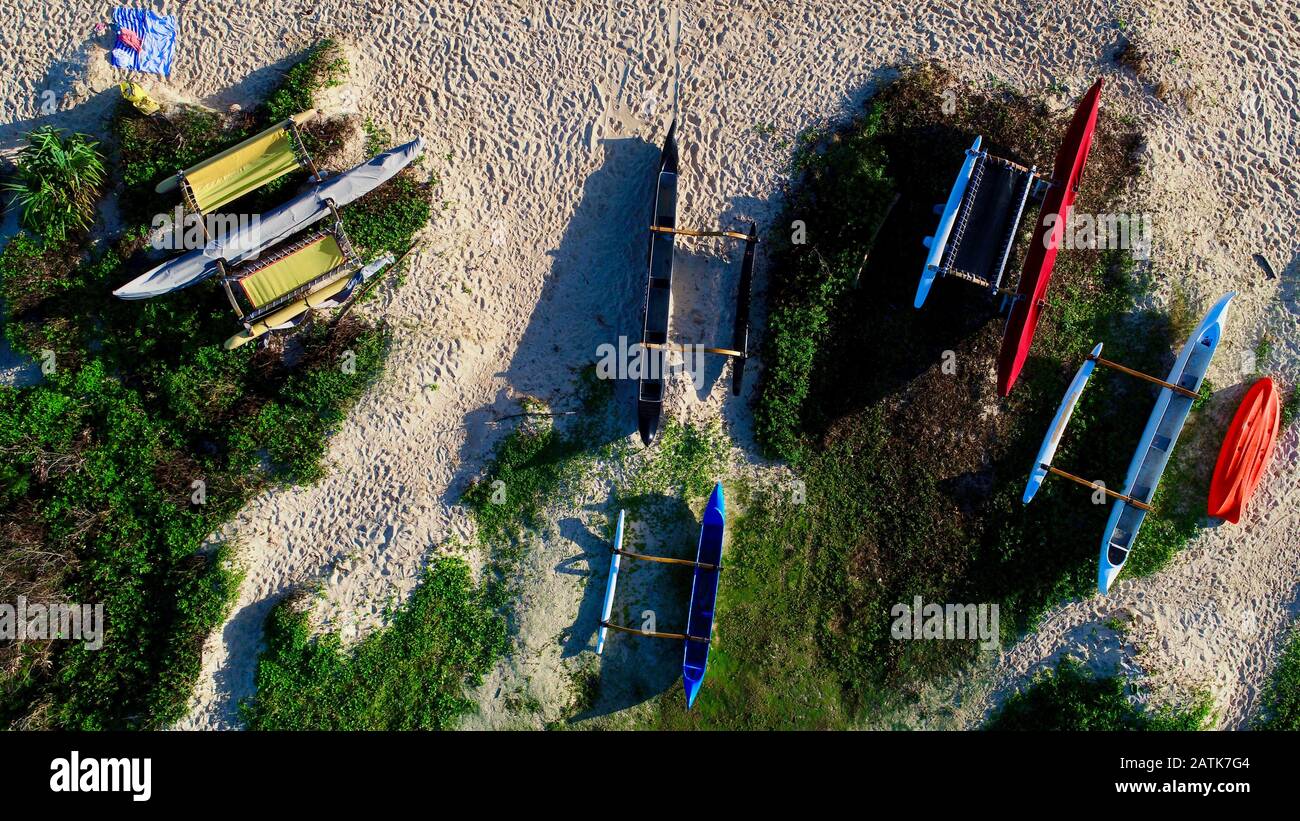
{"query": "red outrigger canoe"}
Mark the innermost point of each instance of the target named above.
(1037, 270)
(1246, 450)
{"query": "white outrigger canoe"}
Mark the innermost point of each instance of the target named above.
(1157, 442)
(273, 226)
(1174, 403)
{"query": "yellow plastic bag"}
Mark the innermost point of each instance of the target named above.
(136, 96)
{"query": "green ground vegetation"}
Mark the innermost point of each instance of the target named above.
(908, 475)
(144, 436)
(1071, 698)
(1280, 705)
(409, 675)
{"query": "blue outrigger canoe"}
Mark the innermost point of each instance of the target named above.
(704, 595)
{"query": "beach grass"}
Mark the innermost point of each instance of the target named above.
(408, 675)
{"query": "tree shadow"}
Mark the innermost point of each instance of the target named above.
(597, 276)
(60, 79)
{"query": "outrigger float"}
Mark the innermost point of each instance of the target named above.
(659, 294)
(978, 226)
(704, 594)
(1177, 393)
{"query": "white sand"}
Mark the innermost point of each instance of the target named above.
(531, 110)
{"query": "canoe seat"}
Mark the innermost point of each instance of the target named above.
(1141, 492)
(290, 269)
(988, 220)
(656, 317)
(1160, 442)
(242, 169)
(652, 390)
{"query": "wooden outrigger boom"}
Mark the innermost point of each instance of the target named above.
(651, 634)
(1096, 486)
(666, 560)
(1115, 366)
(688, 232)
(671, 346)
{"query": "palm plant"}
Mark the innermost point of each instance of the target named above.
(58, 182)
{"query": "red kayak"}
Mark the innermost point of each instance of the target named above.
(1037, 270)
(1246, 450)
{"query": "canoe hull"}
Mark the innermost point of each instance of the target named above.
(1041, 257)
(657, 307)
(1157, 443)
(704, 595)
(1246, 451)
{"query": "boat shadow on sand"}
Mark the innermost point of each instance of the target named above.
(632, 669)
(590, 296)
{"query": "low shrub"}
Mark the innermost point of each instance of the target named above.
(58, 183)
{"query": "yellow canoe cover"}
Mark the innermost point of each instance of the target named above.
(284, 275)
(247, 167)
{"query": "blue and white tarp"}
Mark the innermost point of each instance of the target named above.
(156, 33)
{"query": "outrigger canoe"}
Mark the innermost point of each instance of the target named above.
(272, 227)
(658, 293)
(1041, 257)
(1158, 439)
(656, 311)
(1246, 450)
(704, 594)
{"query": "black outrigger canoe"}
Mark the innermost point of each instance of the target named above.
(658, 294)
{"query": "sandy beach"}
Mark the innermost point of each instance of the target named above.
(542, 122)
